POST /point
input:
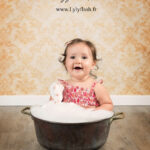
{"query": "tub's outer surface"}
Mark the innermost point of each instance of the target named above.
(67, 136)
(72, 136)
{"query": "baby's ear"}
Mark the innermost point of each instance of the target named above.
(94, 64)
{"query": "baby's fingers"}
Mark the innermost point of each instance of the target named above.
(50, 98)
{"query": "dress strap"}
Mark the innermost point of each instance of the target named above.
(99, 81)
(63, 82)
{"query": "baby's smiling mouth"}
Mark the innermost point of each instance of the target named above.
(78, 68)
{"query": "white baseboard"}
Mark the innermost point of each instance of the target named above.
(27, 100)
(23, 100)
(131, 99)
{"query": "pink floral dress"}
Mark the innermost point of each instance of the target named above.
(80, 96)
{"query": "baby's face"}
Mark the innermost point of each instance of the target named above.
(79, 61)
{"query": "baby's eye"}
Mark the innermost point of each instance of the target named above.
(72, 57)
(84, 57)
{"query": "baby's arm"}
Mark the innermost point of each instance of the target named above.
(103, 97)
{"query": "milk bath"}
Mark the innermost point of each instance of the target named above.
(68, 113)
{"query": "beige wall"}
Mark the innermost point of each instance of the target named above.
(33, 33)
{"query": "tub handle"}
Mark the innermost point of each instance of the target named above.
(26, 111)
(116, 116)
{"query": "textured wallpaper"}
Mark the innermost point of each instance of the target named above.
(33, 34)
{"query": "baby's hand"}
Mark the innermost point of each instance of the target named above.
(88, 107)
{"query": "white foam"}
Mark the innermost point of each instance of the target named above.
(56, 91)
(68, 113)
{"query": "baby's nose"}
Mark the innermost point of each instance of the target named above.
(78, 60)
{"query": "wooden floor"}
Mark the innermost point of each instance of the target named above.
(132, 133)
